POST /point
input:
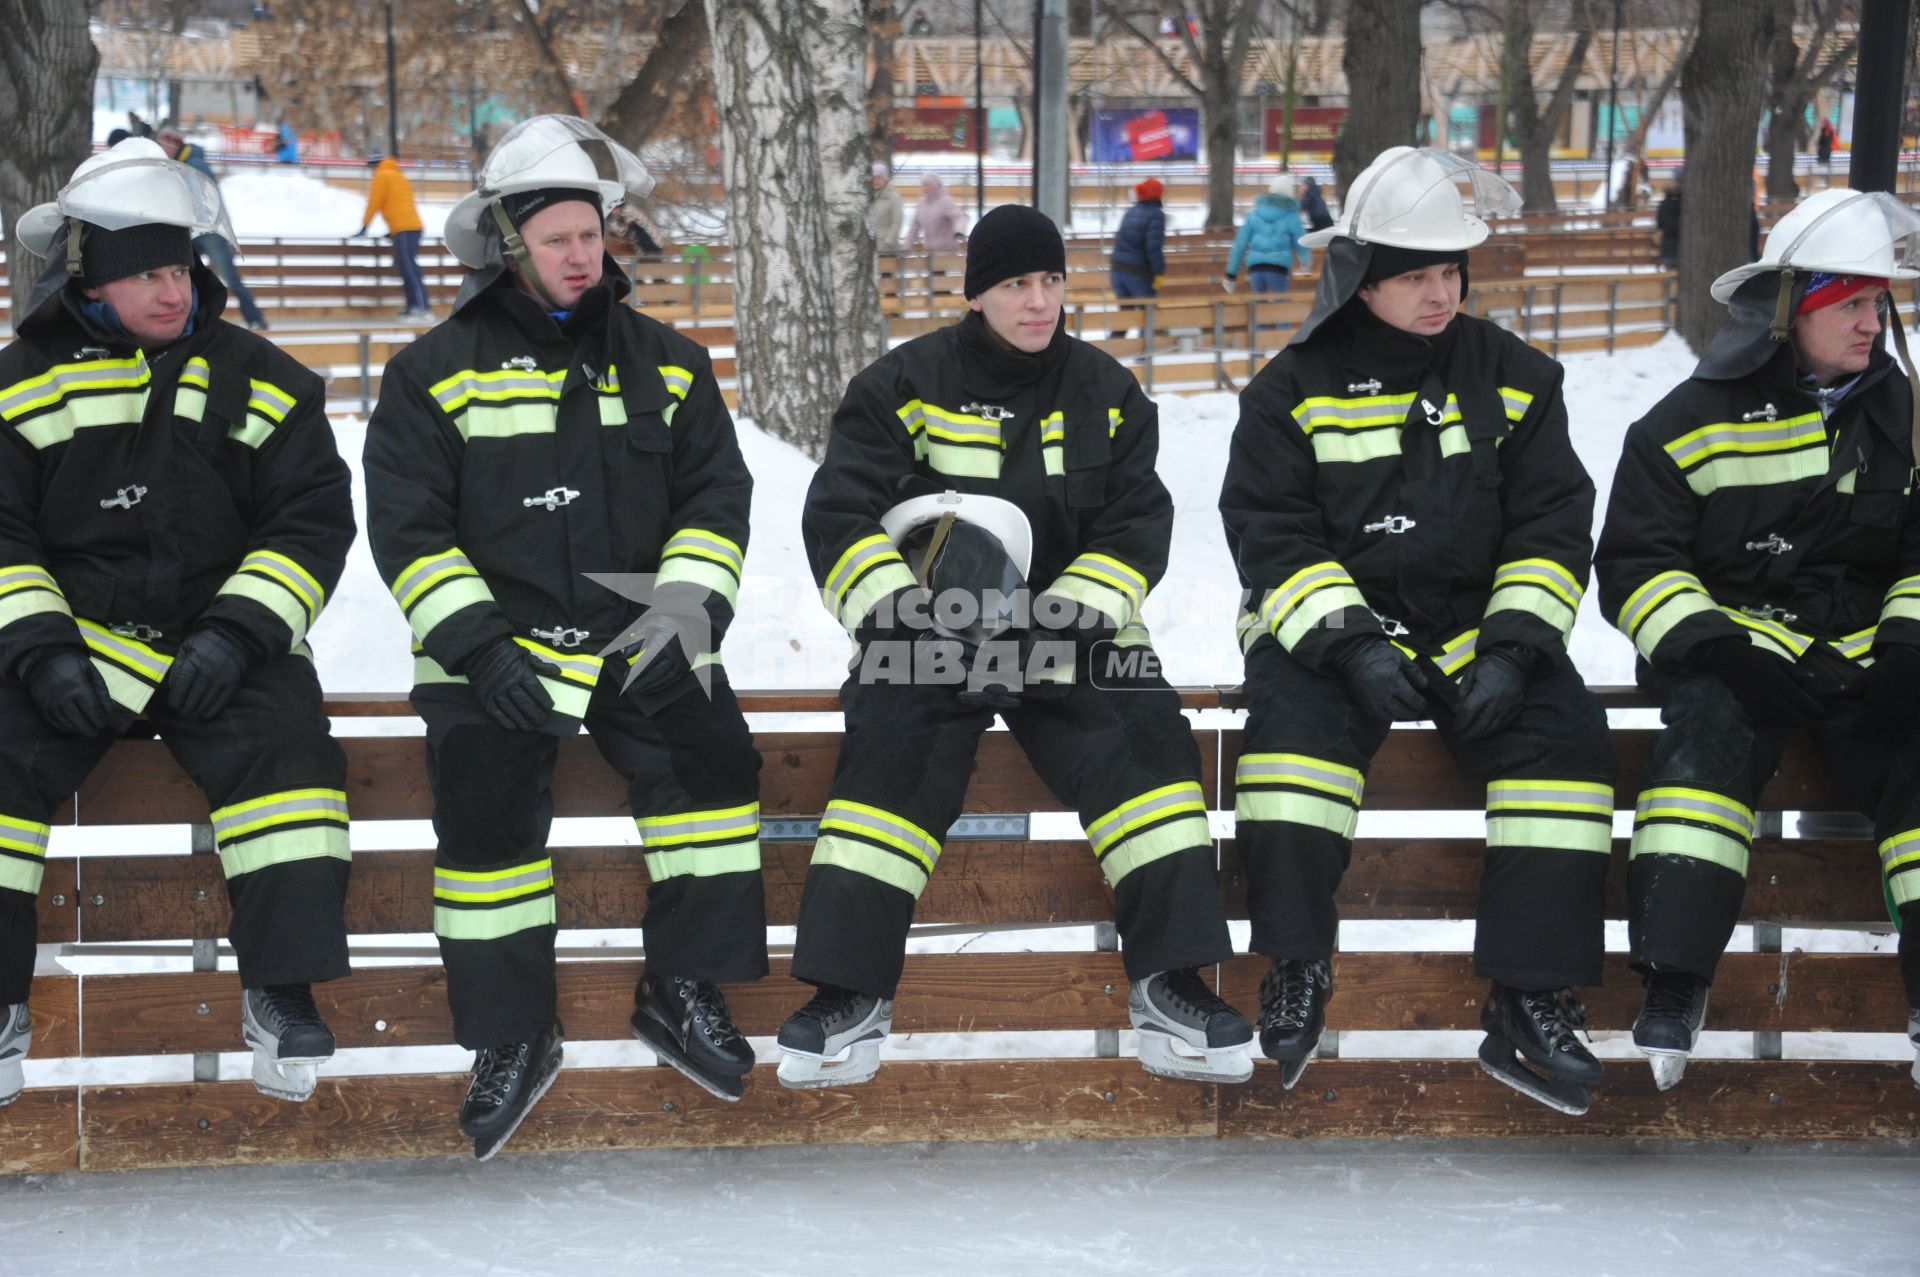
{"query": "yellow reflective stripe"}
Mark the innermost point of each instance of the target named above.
(613, 410)
(83, 414)
(704, 861)
(1550, 833)
(268, 400)
(1906, 585)
(490, 886)
(1690, 840)
(1516, 402)
(1571, 796)
(253, 432)
(239, 819)
(882, 826)
(428, 571)
(284, 848)
(1654, 591)
(864, 858)
(297, 580)
(27, 589)
(21, 875)
(1186, 834)
(1281, 603)
(861, 555)
(1751, 472)
(1180, 798)
(493, 924)
(1110, 603)
(286, 607)
(964, 462)
(1857, 644)
(1295, 808)
(58, 381)
(1557, 579)
(1458, 653)
(1900, 849)
(694, 826)
(678, 380)
(456, 392)
(504, 421)
(702, 544)
(1301, 770)
(1338, 448)
(27, 836)
(1108, 570)
(1699, 805)
(128, 653)
(1327, 411)
(575, 667)
(190, 402)
(197, 372)
(690, 571)
(1792, 642)
(1738, 438)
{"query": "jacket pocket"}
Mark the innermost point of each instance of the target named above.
(1089, 450)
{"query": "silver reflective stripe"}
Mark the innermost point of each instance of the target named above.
(540, 877)
(1323, 777)
(1724, 813)
(279, 813)
(1530, 795)
(67, 379)
(725, 822)
(407, 583)
(890, 830)
(1288, 597)
(449, 394)
(851, 567)
(128, 654)
(1515, 573)
(1898, 847)
(1182, 795)
(686, 540)
(1800, 431)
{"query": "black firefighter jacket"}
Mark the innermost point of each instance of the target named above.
(1065, 435)
(142, 492)
(510, 455)
(1738, 510)
(1380, 482)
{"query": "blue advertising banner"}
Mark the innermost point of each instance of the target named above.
(1120, 136)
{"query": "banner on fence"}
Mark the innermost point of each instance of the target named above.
(933, 128)
(1123, 135)
(1314, 128)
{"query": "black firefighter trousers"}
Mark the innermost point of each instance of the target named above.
(693, 782)
(1549, 775)
(275, 779)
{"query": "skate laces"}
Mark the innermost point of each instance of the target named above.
(1189, 993)
(1286, 994)
(830, 1004)
(494, 1072)
(705, 1000)
(291, 1006)
(1669, 997)
(1560, 1014)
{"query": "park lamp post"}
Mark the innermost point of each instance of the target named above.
(1613, 103)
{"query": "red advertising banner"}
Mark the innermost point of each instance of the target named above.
(1149, 137)
(1314, 128)
(923, 128)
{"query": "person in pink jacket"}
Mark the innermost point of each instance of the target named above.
(937, 219)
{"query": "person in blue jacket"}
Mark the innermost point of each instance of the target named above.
(1268, 244)
(1138, 260)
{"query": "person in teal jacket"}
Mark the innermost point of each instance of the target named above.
(1268, 244)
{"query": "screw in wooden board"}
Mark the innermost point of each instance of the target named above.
(1773, 1097)
(666, 1106)
(1330, 1096)
(59, 901)
(1107, 1096)
(98, 901)
(203, 1009)
(1773, 880)
(200, 896)
(1109, 990)
(204, 1124)
(379, 1026)
(1774, 989)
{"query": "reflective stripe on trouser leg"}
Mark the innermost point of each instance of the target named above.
(1294, 819)
(1543, 888)
(496, 928)
(706, 908)
(1686, 876)
(1900, 863)
(1156, 851)
(23, 854)
(869, 867)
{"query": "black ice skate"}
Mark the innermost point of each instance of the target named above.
(507, 1082)
(1669, 1023)
(1187, 1030)
(16, 1035)
(687, 1024)
(1293, 1013)
(834, 1040)
(1538, 1028)
(289, 1039)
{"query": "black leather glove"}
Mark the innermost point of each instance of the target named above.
(504, 680)
(67, 690)
(1772, 690)
(1043, 649)
(1381, 680)
(1493, 689)
(1891, 694)
(207, 671)
(660, 651)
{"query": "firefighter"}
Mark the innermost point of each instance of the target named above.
(1412, 525)
(559, 504)
(173, 515)
(1762, 551)
(1033, 455)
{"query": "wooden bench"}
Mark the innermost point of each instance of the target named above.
(983, 883)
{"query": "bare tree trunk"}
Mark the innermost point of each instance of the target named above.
(1723, 87)
(1797, 77)
(1219, 57)
(569, 100)
(674, 67)
(1383, 84)
(791, 86)
(883, 27)
(47, 63)
(1534, 129)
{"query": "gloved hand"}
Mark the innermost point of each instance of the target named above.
(1493, 690)
(999, 673)
(1381, 680)
(211, 664)
(1230, 283)
(357, 234)
(1891, 694)
(1773, 691)
(504, 680)
(1157, 281)
(67, 690)
(661, 640)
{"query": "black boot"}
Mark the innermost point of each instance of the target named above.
(289, 1039)
(687, 1024)
(1293, 1013)
(507, 1081)
(1669, 1023)
(1539, 1028)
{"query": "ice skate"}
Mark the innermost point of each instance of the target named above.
(1187, 1030)
(687, 1025)
(1538, 1029)
(507, 1082)
(1293, 1013)
(289, 1039)
(16, 1035)
(1669, 1023)
(834, 1040)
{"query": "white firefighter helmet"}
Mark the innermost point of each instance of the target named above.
(130, 184)
(1420, 198)
(1837, 232)
(545, 151)
(1005, 520)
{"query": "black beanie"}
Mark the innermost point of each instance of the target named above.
(1012, 240)
(109, 255)
(521, 205)
(1388, 260)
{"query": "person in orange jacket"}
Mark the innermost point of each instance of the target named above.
(391, 196)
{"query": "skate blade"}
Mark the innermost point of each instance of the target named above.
(12, 1079)
(292, 1080)
(660, 1041)
(1290, 1070)
(1668, 1067)
(1500, 1062)
(1160, 1057)
(484, 1149)
(802, 1072)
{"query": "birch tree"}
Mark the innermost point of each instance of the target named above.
(790, 79)
(47, 61)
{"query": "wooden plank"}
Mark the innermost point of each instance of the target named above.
(181, 1124)
(1821, 882)
(159, 1013)
(58, 918)
(1454, 1099)
(178, 897)
(40, 1133)
(1785, 993)
(139, 783)
(55, 1000)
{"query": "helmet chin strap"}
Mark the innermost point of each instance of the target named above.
(517, 252)
(1783, 308)
(74, 244)
(1897, 322)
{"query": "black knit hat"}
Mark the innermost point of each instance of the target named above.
(109, 255)
(1012, 240)
(1388, 260)
(521, 205)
